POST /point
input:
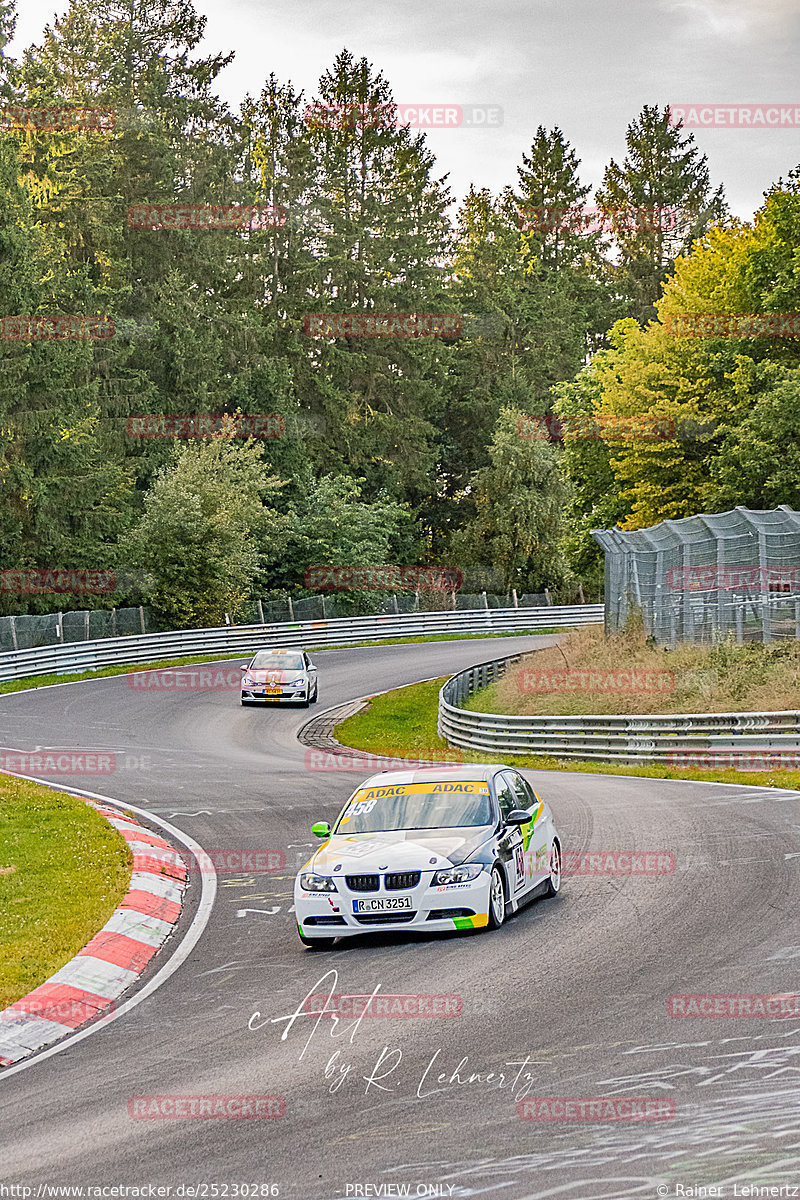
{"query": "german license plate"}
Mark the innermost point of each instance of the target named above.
(273, 692)
(381, 904)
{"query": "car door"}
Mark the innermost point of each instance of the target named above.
(510, 839)
(534, 837)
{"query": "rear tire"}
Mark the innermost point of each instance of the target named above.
(497, 898)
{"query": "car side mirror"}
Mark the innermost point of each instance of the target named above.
(244, 667)
(321, 830)
(518, 816)
(311, 667)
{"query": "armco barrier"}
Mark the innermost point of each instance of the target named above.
(244, 639)
(716, 737)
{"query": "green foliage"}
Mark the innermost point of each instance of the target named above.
(397, 449)
(665, 175)
(519, 501)
(199, 531)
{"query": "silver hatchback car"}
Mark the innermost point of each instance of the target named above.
(279, 675)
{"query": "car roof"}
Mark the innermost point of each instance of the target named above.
(440, 774)
(280, 650)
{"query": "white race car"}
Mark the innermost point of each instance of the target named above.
(279, 675)
(433, 849)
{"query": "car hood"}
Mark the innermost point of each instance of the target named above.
(398, 850)
(270, 675)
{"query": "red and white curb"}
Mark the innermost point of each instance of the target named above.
(90, 983)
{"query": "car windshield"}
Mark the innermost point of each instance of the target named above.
(267, 660)
(439, 805)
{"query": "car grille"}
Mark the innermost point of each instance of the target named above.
(389, 918)
(402, 879)
(325, 921)
(363, 883)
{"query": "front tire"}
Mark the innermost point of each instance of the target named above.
(497, 898)
(554, 882)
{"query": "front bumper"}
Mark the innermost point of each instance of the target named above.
(288, 695)
(433, 909)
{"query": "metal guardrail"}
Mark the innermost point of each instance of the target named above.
(141, 648)
(694, 739)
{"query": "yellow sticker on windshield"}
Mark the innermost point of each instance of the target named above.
(469, 787)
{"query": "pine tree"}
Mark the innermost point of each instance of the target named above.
(659, 201)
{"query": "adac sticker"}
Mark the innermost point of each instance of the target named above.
(471, 787)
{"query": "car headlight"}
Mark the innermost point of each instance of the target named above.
(299, 682)
(247, 682)
(458, 874)
(316, 883)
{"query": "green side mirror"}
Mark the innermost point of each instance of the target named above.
(321, 830)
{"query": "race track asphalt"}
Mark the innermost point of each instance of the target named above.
(568, 999)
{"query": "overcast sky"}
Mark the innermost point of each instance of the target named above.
(585, 65)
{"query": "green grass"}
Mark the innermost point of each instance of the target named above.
(402, 724)
(63, 871)
(23, 685)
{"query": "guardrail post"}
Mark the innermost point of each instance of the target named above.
(261, 612)
(86, 625)
(113, 622)
(514, 597)
(141, 617)
(291, 609)
(13, 624)
(60, 627)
